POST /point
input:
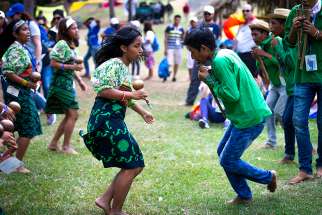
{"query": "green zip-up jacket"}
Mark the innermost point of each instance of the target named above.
(287, 56)
(272, 65)
(314, 47)
(232, 82)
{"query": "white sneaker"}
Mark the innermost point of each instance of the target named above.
(203, 123)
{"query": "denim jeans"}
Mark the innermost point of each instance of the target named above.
(289, 130)
(40, 101)
(90, 53)
(276, 101)
(230, 150)
(303, 97)
(208, 112)
(46, 76)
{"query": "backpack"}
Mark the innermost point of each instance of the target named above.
(163, 70)
(155, 44)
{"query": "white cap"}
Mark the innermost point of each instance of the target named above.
(247, 7)
(136, 23)
(2, 15)
(193, 18)
(114, 21)
(209, 9)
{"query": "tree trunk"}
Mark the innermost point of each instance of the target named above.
(130, 9)
(29, 6)
(111, 5)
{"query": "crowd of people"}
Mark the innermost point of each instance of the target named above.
(260, 78)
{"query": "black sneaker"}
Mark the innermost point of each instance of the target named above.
(174, 79)
(164, 80)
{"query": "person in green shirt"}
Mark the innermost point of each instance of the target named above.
(308, 83)
(276, 98)
(232, 82)
(287, 59)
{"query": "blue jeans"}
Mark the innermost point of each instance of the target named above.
(208, 112)
(46, 76)
(230, 150)
(40, 101)
(90, 53)
(289, 130)
(276, 100)
(303, 98)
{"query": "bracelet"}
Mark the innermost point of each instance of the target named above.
(123, 97)
(62, 66)
(316, 35)
(24, 83)
(4, 109)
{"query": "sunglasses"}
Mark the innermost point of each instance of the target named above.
(206, 14)
(246, 11)
(57, 18)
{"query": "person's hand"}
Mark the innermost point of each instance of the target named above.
(257, 52)
(203, 72)
(148, 117)
(165, 52)
(309, 28)
(78, 67)
(274, 41)
(32, 85)
(297, 22)
(139, 94)
(9, 139)
(83, 86)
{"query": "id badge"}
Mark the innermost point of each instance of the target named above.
(13, 91)
(311, 63)
(178, 42)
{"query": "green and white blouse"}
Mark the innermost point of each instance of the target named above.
(16, 59)
(111, 74)
(62, 53)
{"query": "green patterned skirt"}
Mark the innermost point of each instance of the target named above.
(27, 122)
(108, 138)
(61, 95)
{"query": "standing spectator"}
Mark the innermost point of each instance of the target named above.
(130, 5)
(244, 41)
(208, 16)
(149, 37)
(135, 64)
(173, 39)
(190, 61)
(52, 33)
(308, 82)
(115, 26)
(62, 95)
(17, 67)
(276, 98)
(93, 26)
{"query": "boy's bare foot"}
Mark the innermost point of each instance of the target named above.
(101, 204)
(22, 170)
(53, 147)
(70, 151)
(319, 172)
(302, 176)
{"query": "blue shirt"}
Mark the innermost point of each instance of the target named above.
(92, 35)
(213, 27)
(109, 31)
(175, 35)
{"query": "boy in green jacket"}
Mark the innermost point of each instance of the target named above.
(276, 98)
(245, 107)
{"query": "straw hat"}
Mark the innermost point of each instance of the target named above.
(279, 13)
(260, 24)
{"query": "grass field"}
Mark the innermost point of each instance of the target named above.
(182, 174)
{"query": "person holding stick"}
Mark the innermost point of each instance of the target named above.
(308, 82)
(276, 98)
(230, 80)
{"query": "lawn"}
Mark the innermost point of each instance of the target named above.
(182, 173)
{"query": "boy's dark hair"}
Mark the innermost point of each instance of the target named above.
(147, 26)
(111, 47)
(200, 36)
(59, 12)
(177, 16)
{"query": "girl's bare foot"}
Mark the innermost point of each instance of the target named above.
(53, 147)
(69, 150)
(101, 204)
(22, 170)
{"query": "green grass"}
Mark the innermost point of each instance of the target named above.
(182, 174)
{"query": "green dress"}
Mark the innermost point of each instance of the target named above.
(62, 94)
(17, 60)
(108, 137)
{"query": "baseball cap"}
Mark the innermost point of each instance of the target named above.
(115, 21)
(15, 8)
(209, 9)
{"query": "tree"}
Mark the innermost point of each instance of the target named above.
(111, 5)
(29, 6)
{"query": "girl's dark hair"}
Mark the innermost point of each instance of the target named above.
(63, 34)
(147, 26)
(111, 46)
(200, 36)
(12, 26)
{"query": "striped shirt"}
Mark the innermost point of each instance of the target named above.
(175, 35)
